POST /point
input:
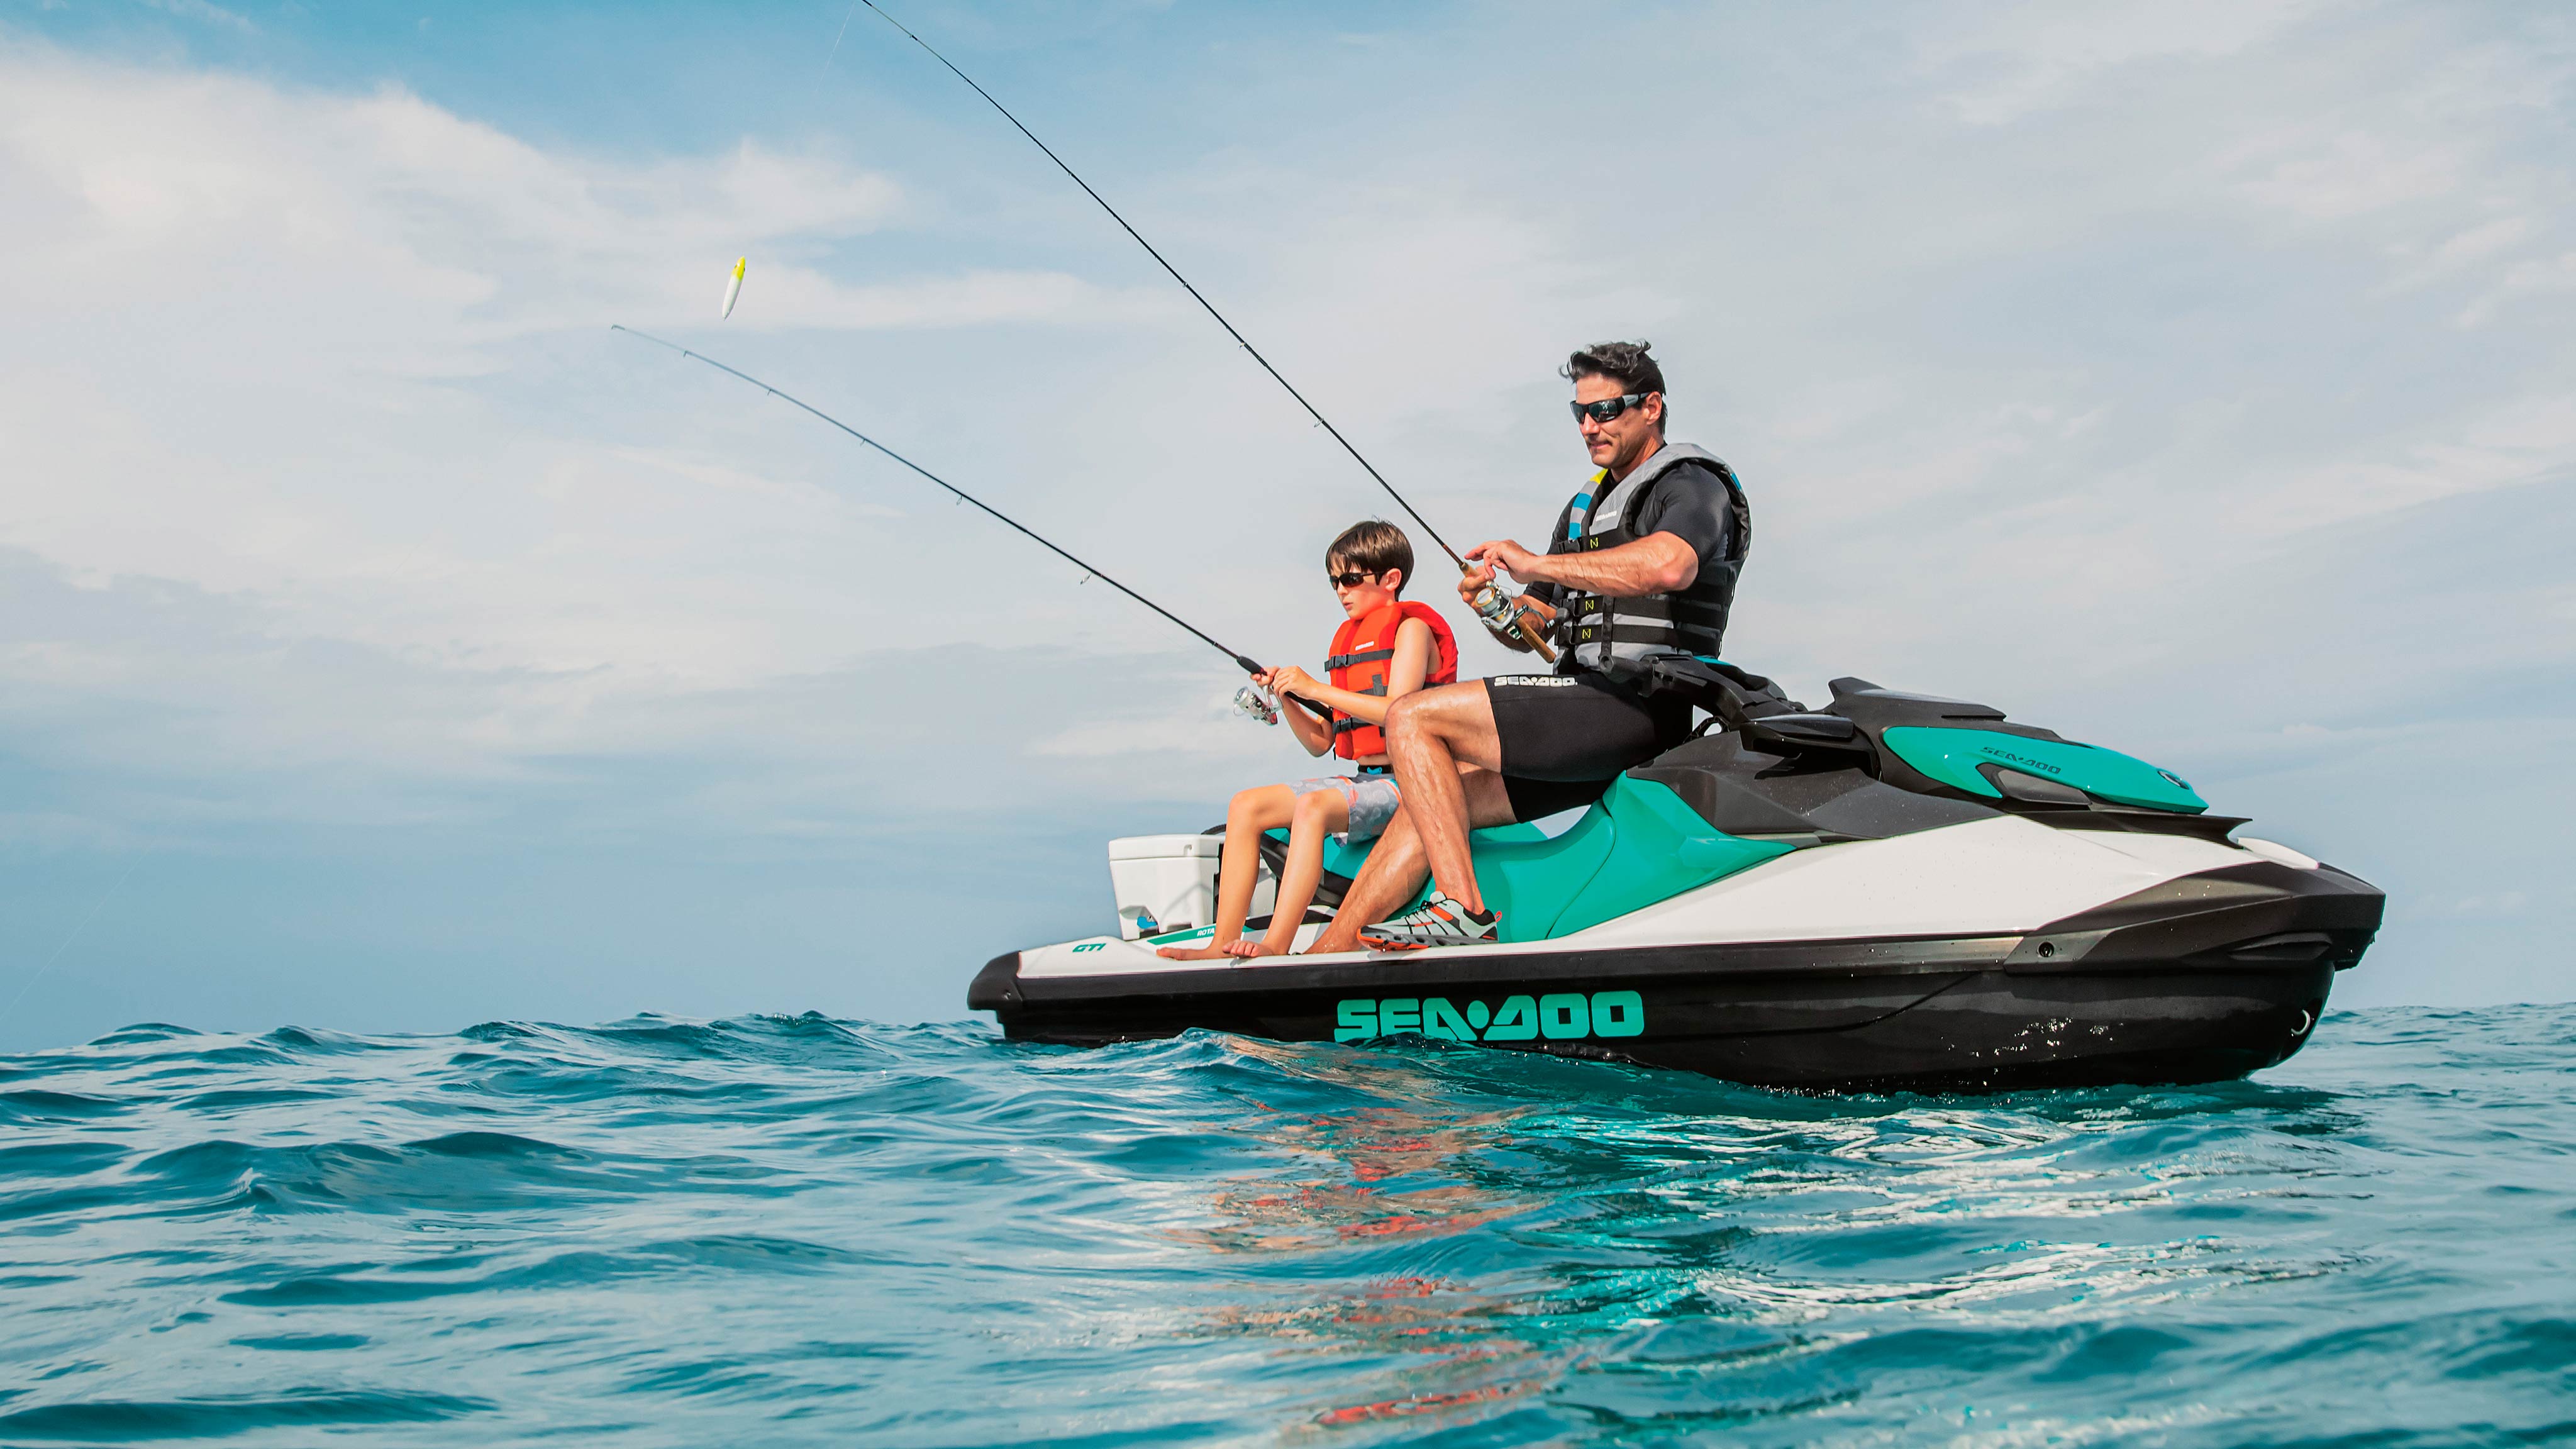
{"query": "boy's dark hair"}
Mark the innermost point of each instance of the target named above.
(1624, 363)
(1373, 546)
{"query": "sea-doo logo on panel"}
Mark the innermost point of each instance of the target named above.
(2020, 762)
(1564, 1016)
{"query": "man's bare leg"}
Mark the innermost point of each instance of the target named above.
(1394, 870)
(1387, 879)
(1428, 735)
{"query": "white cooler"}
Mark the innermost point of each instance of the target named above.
(1168, 883)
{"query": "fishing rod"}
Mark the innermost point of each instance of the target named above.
(1489, 602)
(1195, 295)
(1241, 661)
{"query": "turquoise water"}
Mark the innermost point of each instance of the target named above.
(807, 1231)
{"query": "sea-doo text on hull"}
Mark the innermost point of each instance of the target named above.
(1894, 892)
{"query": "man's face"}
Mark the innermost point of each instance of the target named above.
(1617, 444)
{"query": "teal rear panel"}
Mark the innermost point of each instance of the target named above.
(1662, 848)
(1952, 757)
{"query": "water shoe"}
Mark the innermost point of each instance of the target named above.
(1439, 921)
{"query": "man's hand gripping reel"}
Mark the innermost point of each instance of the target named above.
(1505, 617)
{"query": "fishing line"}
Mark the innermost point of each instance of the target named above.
(82, 925)
(1242, 662)
(836, 38)
(1185, 286)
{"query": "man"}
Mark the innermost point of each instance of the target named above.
(1643, 562)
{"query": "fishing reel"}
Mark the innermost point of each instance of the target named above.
(1506, 620)
(1256, 705)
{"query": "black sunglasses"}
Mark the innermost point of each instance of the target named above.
(1608, 408)
(1351, 580)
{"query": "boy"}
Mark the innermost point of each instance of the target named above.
(1385, 649)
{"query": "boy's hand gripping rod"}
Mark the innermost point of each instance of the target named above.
(1242, 662)
(1489, 603)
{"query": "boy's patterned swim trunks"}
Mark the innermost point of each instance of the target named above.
(1373, 801)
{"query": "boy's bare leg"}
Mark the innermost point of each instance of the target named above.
(1249, 813)
(1395, 869)
(1317, 814)
(1429, 734)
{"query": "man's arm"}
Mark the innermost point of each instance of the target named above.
(1656, 564)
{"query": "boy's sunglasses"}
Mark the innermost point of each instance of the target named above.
(1608, 408)
(1350, 580)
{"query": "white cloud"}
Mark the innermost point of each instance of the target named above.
(264, 343)
(2067, 353)
(2019, 59)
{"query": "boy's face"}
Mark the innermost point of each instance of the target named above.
(1359, 592)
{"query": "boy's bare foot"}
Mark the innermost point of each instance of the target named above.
(1196, 953)
(1247, 948)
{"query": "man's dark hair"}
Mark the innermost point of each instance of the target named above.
(1625, 363)
(1373, 546)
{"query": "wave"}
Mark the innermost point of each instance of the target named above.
(800, 1229)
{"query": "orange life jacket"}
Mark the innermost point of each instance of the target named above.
(1361, 649)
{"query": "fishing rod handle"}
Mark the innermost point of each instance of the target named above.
(1500, 612)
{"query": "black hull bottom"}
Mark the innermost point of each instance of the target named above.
(1976, 1031)
(2202, 979)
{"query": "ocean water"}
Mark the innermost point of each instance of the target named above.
(808, 1231)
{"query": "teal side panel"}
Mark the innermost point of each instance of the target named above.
(1661, 848)
(1346, 860)
(1531, 881)
(1952, 757)
(1639, 845)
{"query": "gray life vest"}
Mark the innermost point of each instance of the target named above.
(1615, 635)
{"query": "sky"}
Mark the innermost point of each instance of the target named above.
(389, 645)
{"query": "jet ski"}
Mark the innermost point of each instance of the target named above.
(1895, 892)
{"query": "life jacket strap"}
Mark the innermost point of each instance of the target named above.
(1365, 656)
(1655, 606)
(1626, 633)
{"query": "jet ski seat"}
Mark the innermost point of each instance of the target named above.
(1879, 762)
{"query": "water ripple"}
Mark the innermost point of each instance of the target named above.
(800, 1230)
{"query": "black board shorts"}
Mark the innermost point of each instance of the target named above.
(1565, 737)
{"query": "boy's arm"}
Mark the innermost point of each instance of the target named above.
(1311, 730)
(1404, 675)
(1410, 666)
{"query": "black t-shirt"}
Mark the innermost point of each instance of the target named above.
(1691, 503)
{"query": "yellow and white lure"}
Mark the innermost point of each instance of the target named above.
(733, 289)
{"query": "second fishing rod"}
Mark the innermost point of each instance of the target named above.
(1490, 602)
(1248, 700)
